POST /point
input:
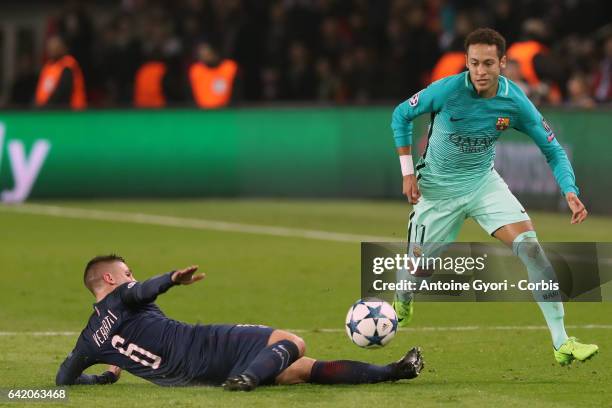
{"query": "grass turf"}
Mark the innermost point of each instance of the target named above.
(291, 283)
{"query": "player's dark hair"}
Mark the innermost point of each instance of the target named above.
(486, 36)
(87, 278)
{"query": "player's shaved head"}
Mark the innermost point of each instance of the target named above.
(93, 277)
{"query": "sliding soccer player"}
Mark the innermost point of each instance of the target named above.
(455, 178)
(128, 331)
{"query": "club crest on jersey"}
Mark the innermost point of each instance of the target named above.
(414, 100)
(502, 123)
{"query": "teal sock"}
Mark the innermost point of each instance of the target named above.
(404, 275)
(426, 272)
(553, 313)
(528, 249)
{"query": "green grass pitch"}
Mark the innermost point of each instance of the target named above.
(290, 283)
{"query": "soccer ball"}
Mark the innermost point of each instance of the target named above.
(371, 322)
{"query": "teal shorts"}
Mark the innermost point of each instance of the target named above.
(438, 222)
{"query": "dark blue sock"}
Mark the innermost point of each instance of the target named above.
(349, 372)
(271, 361)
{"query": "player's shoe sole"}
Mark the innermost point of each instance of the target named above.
(409, 366)
(404, 311)
(240, 383)
(573, 350)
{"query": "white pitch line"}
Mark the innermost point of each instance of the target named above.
(204, 224)
(466, 328)
(39, 333)
(192, 223)
(413, 329)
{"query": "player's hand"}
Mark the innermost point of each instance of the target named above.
(115, 370)
(579, 211)
(186, 276)
(410, 189)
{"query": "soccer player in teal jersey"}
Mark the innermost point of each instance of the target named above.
(455, 178)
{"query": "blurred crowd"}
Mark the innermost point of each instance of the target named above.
(321, 51)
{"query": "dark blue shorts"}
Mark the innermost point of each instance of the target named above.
(229, 349)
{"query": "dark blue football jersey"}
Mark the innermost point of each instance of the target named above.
(129, 331)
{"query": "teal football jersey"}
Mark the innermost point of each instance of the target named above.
(463, 132)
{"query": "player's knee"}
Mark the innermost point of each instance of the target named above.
(299, 343)
(526, 246)
(279, 335)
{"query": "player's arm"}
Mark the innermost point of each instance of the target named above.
(138, 293)
(535, 126)
(428, 100)
(71, 370)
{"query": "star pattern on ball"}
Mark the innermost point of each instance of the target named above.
(394, 323)
(374, 312)
(352, 325)
(375, 340)
(371, 323)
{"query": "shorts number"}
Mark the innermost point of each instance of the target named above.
(419, 233)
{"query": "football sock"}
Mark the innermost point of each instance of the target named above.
(528, 249)
(272, 360)
(405, 275)
(404, 295)
(349, 372)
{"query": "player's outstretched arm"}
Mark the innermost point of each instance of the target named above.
(138, 293)
(535, 126)
(71, 371)
(186, 276)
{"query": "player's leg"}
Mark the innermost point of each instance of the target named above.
(432, 225)
(282, 349)
(308, 370)
(497, 210)
(525, 245)
(501, 215)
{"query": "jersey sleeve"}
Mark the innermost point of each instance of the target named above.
(427, 100)
(139, 293)
(532, 123)
(71, 370)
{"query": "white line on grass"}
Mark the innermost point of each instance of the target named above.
(412, 329)
(203, 224)
(193, 223)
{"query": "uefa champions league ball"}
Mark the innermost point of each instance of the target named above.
(371, 322)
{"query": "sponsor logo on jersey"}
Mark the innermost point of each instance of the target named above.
(414, 100)
(469, 144)
(502, 123)
(550, 137)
